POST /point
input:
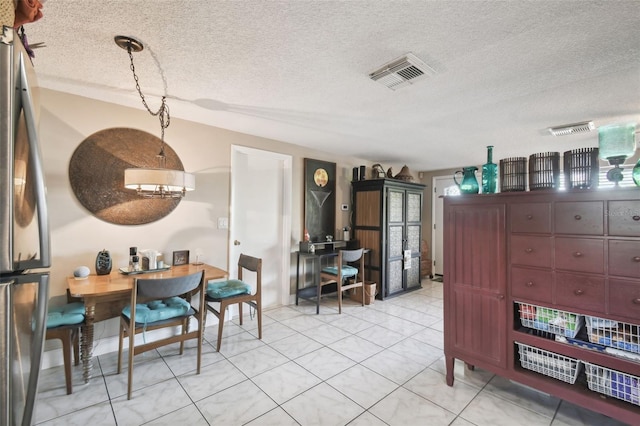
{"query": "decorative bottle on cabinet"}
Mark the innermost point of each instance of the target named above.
(489, 173)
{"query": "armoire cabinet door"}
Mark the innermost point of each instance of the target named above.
(475, 272)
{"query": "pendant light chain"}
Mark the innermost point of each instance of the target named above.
(162, 113)
(150, 182)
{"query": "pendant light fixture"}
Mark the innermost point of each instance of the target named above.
(154, 182)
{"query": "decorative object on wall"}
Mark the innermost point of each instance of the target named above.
(319, 199)
(160, 182)
(96, 174)
(180, 257)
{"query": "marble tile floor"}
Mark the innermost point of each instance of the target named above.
(381, 364)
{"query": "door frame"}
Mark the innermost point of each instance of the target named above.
(435, 184)
(285, 238)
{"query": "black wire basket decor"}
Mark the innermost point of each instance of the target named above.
(513, 174)
(581, 168)
(544, 171)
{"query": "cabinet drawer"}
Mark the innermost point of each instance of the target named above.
(531, 284)
(531, 217)
(624, 258)
(531, 251)
(624, 218)
(583, 291)
(583, 218)
(624, 298)
(580, 254)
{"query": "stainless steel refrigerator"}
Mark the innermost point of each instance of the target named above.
(24, 235)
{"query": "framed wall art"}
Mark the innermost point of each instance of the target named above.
(319, 199)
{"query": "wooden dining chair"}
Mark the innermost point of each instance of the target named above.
(343, 275)
(237, 291)
(162, 303)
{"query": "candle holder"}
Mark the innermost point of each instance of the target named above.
(616, 143)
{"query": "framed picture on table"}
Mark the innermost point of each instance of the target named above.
(180, 257)
(319, 199)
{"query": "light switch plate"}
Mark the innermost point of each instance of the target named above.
(223, 223)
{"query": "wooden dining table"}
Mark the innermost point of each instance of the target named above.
(104, 296)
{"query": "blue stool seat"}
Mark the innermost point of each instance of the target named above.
(222, 289)
(347, 271)
(69, 314)
(158, 310)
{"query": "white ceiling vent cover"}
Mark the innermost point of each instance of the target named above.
(401, 72)
(568, 129)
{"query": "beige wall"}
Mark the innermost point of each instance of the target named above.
(77, 236)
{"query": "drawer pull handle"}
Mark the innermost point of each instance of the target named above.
(529, 284)
(577, 217)
(528, 250)
(636, 218)
(577, 254)
(500, 296)
(636, 301)
(636, 258)
(529, 216)
(579, 292)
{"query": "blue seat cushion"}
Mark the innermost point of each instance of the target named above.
(69, 314)
(158, 310)
(347, 271)
(224, 289)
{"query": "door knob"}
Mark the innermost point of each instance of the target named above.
(236, 243)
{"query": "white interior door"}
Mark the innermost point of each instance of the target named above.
(442, 185)
(260, 224)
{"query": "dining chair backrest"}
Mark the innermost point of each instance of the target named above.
(252, 264)
(351, 255)
(160, 288)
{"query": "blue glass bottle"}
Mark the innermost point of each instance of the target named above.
(489, 174)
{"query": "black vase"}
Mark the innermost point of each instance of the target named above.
(103, 263)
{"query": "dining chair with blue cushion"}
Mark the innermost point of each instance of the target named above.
(343, 275)
(237, 291)
(162, 303)
(64, 323)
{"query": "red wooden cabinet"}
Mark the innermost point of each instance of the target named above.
(574, 255)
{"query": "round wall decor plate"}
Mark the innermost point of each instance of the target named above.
(96, 173)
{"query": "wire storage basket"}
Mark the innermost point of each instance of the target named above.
(549, 363)
(581, 168)
(544, 171)
(554, 321)
(513, 174)
(613, 383)
(615, 334)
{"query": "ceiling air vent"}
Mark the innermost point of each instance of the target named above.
(401, 72)
(568, 129)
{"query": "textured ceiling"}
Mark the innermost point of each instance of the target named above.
(297, 71)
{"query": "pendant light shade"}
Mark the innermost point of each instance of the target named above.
(159, 183)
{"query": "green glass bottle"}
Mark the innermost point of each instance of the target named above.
(489, 174)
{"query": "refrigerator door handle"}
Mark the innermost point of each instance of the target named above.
(35, 159)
